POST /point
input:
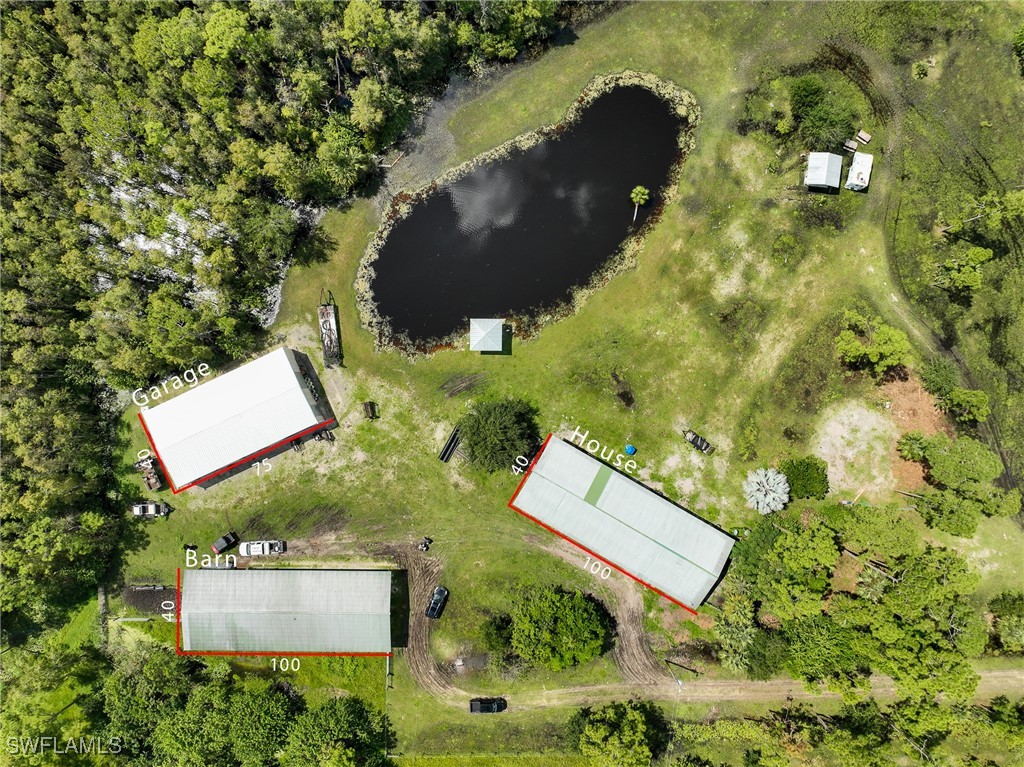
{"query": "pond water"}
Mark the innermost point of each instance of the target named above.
(517, 234)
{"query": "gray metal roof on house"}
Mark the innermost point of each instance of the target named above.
(485, 335)
(624, 523)
(328, 611)
(824, 169)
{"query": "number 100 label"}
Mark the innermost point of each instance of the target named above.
(597, 567)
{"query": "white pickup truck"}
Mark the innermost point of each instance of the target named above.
(262, 548)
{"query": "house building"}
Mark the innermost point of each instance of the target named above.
(623, 523)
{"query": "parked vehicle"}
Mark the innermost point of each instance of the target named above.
(437, 602)
(699, 442)
(262, 548)
(150, 510)
(487, 705)
(222, 544)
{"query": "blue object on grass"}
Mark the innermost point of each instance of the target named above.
(630, 450)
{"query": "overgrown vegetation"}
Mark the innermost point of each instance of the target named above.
(898, 624)
(627, 734)
(549, 627)
(1008, 610)
(495, 433)
(165, 709)
(807, 476)
(962, 472)
(870, 344)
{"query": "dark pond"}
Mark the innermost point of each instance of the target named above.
(514, 236)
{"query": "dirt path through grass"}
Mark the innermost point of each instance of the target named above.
(632, 653)
(992, 683)
(424, 574)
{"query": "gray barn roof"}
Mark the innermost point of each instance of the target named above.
(626, 524)
(328, 611)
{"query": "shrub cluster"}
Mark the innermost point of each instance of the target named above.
(807, 477)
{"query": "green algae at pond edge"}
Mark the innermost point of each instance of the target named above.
(529, 229)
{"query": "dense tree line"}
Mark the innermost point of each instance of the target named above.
(861, 734)
(163, 162)
(907, 615)
(166, 710)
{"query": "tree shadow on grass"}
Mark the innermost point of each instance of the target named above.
(313, 247)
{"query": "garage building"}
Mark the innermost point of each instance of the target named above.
(624, 523)
(228, 420)
(255, 611)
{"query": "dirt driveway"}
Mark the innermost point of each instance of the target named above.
(424, 574)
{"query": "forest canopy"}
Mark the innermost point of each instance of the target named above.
(163, 163)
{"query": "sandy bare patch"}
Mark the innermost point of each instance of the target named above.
(730, 284)
(856, 442)
(912, 408)
(685, 488)
(673, 462)
(747, 166)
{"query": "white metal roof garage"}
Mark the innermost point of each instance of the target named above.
(230, 418)
(624, 523)
(287, 611)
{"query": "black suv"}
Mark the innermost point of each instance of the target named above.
(487, 705)
(437, 602)
(228, 541)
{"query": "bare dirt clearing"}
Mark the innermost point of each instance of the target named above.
(856, 442)
(991, 684)
(912, 408)
(424, 574)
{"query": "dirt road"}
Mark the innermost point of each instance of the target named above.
(992, 683)
(424, 574)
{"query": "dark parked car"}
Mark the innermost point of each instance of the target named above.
(229, 541)
(487, 705)
(699, 442)
(437, 602)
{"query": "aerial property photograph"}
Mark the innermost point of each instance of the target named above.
(533, 383)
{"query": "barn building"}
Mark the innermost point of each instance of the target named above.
(227, 421)
(623, 523)
(256, 611)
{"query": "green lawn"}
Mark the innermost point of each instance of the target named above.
(708, 330)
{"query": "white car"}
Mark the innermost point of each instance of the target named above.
(150, 510)
(262, 548)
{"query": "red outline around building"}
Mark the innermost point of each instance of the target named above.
(236, 464)
(256, 653)
(511, 505)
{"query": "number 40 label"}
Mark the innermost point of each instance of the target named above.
(521, 464)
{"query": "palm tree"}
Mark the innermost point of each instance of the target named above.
(639, 196)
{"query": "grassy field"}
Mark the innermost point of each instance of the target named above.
(709, 332)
